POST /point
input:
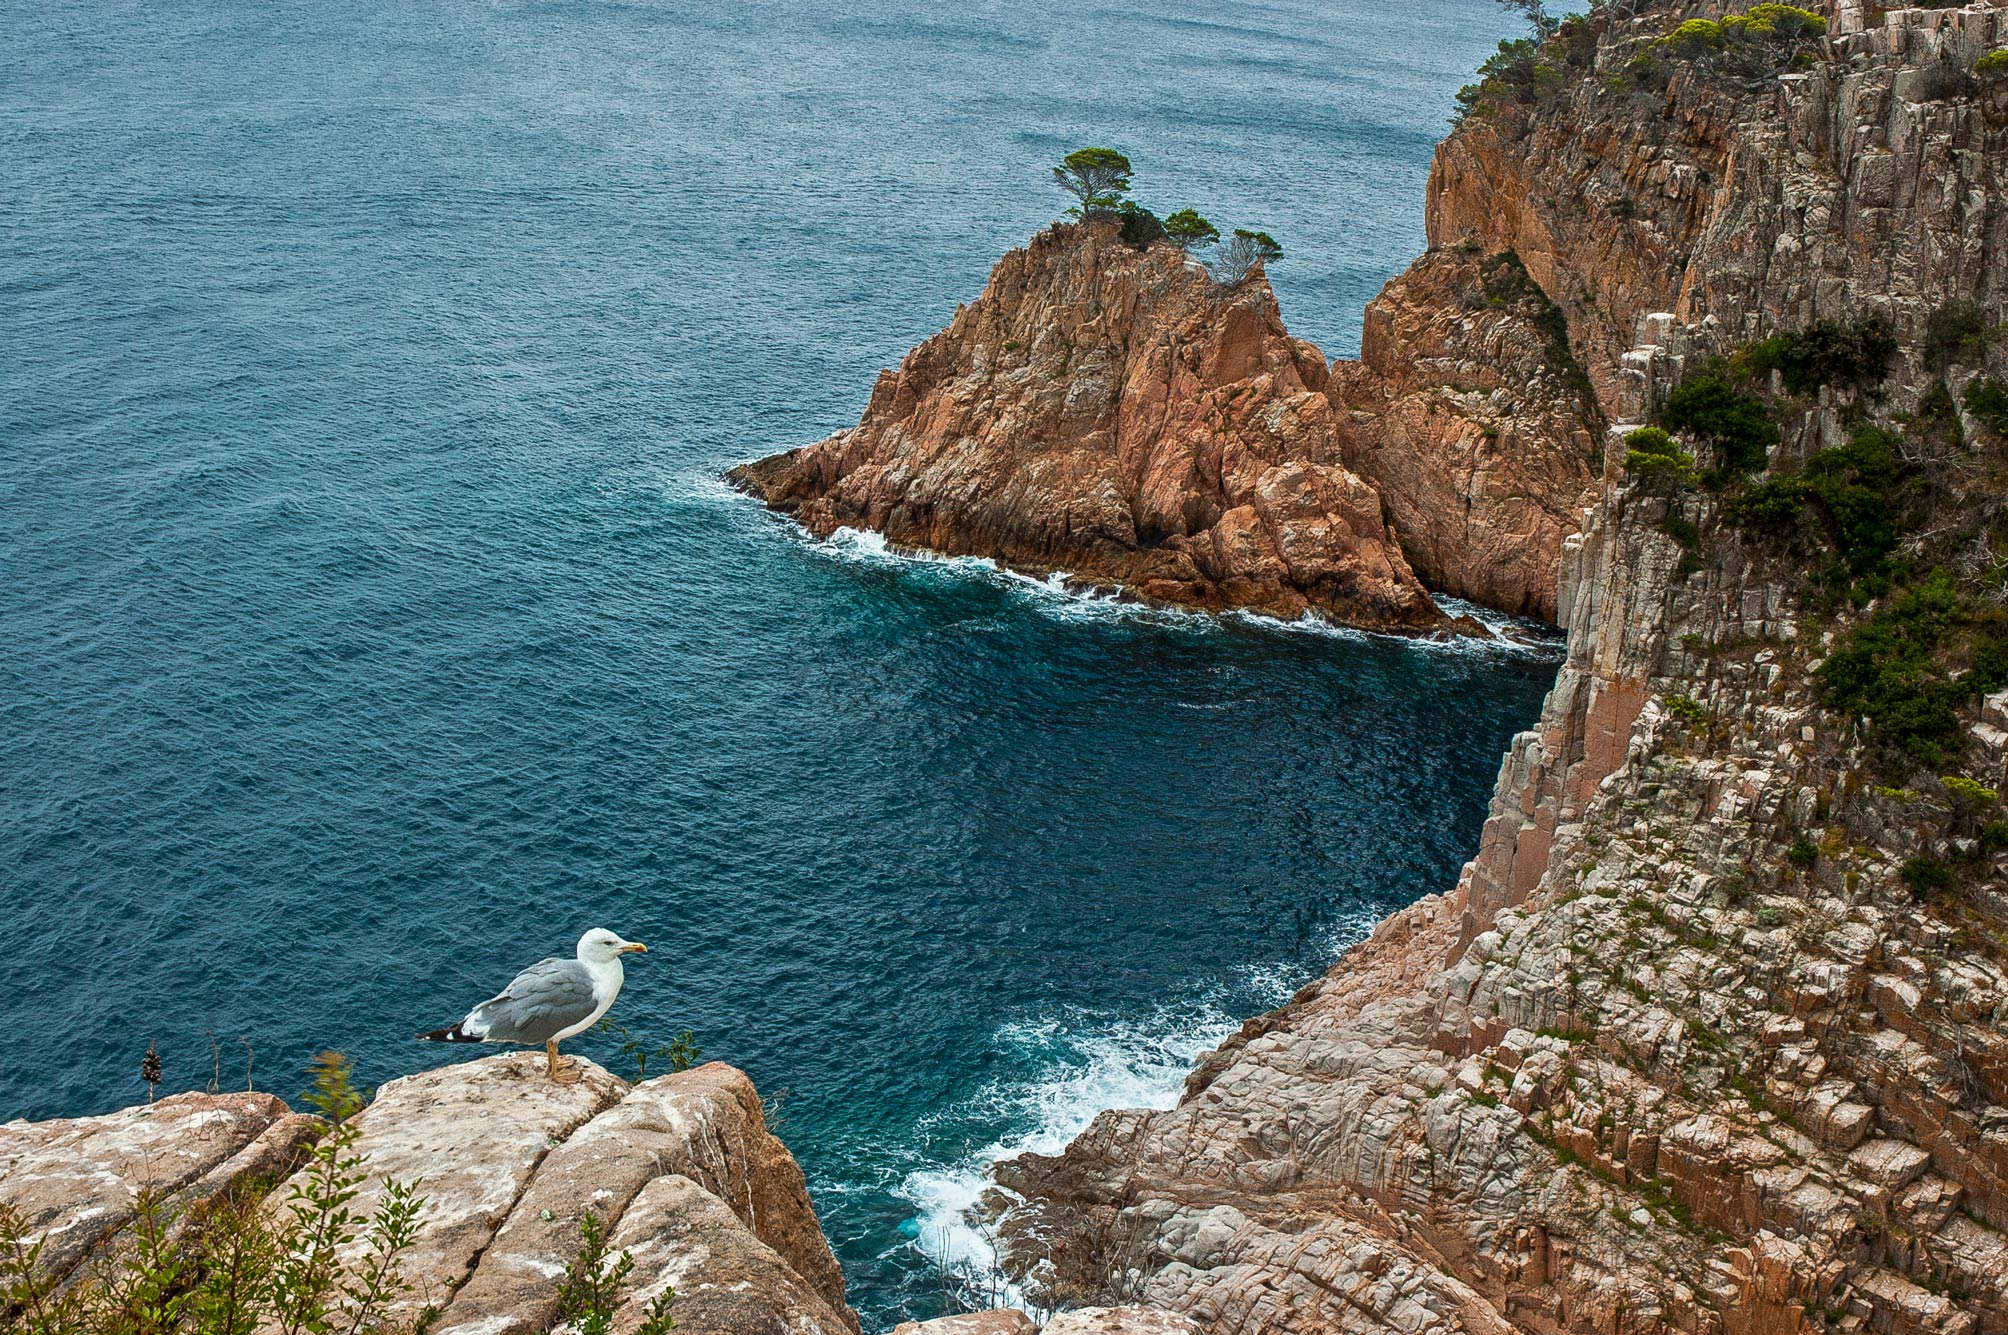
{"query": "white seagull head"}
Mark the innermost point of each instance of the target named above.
(599, 946)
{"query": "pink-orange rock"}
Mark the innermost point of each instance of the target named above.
(1114, 414)
(1474, 422)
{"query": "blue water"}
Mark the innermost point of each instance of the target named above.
(371, 621)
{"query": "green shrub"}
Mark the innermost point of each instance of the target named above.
(1826, 352)
(1788, 22)
(1514, 75)
(234, 1264)
(1987, 399)
(1654, 458)
(1685, 708)
(1190, 230)
(589, 1294)
(1711, 409)
(1956, 332)
(1764, 37)
(1802, 854)
(1140, 225)
(1856, 492)
(1926, 875)
(1994, 835)
(1993, 63)
(1693, 38)
(1688, 534)
(1886, 671)
(1968, 794)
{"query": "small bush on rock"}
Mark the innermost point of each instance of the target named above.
(1826, 352)
(1709, 408)
(1992, 65)
(1140, 225)
(1652, 456)
(1987, 400)
(1190, 230)
(1956, 332)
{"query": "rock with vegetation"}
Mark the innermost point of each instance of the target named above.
(1708, 1036)
(481, 1197)
(1114, 414)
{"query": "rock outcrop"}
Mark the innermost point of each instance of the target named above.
(1708, 1037)
(1113, 414)
(681, 1168)
(1468, 412)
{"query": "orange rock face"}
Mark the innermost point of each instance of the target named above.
(1470, 415)
(1116, 415)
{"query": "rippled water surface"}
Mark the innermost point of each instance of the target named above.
(371, 621)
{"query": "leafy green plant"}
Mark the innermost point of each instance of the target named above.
(681, 1053)
(1685, 708)
(589, 1295)
(590, 1292)
(1826, 352)
(684, 1052)
(1514, 75)
(1992, 65)
(1140, 225)
(1956, 332)
(1887, 671)
(1711, 409)
(231, 1266)
(1190, 230)
(1926, 875)
(1652, 456)
(1987, 399)
(1968, 794)
(1097, 177)
(1802, 854)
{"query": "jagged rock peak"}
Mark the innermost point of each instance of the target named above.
(1114, 414)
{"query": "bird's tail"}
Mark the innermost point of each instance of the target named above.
(457, 1034)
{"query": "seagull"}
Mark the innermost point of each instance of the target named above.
(550, 1001)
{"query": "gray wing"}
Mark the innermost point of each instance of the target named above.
(545, 999)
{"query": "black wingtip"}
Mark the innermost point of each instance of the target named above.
(453, 1035)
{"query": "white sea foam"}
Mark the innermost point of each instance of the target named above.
(1070, 1071)
(1057, 594)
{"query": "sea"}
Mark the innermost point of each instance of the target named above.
(373, 620)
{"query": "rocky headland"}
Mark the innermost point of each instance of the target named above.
(1705, 363)
(1708, 1037)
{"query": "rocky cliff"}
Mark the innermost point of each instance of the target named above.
(681, 1169)
(1708, 1036)
(1111, 413)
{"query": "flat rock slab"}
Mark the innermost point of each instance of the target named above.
(469, 1136)
(998, 1321)
(727, 1281)
(1121, 1321)
(75, 1181)
(704, 1125)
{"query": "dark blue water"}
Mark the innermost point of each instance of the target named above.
(371, 622)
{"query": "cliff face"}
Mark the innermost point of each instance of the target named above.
(680, 1168)
(1470, 415)
(1694, 1044)
(1114, 414)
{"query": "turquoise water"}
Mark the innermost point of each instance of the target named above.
(372, 622)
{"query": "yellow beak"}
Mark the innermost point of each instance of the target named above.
(634, 946)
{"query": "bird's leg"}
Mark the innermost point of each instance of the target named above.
(565, 1074)
(551, 1059)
